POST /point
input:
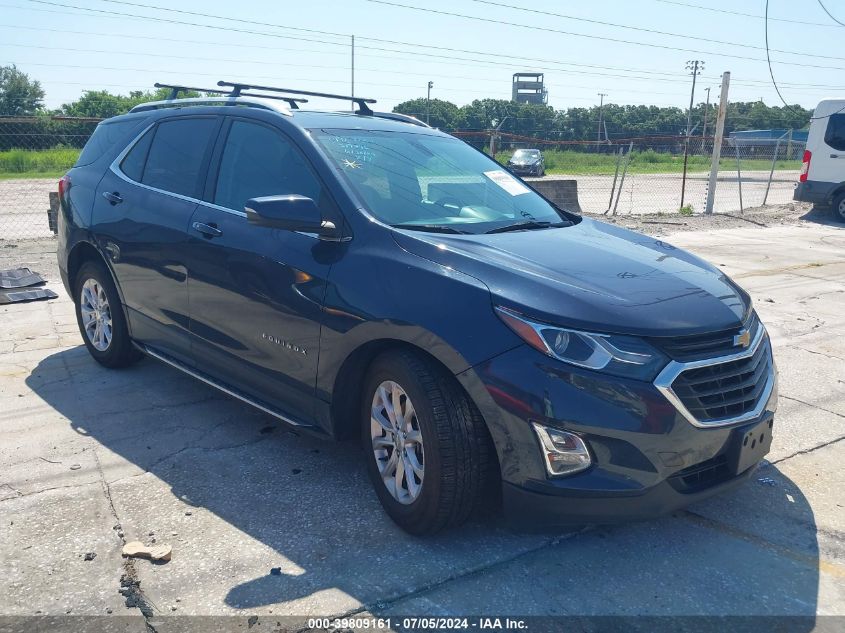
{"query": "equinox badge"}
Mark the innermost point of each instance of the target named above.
(284, 343)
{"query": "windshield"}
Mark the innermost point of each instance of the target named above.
(522, 154)
(436, 183)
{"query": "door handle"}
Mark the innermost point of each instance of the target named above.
(113, 197)
(834, 155)
(209, 230)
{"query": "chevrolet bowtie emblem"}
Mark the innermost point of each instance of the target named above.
(743, 339)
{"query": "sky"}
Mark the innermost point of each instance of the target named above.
(76, 45)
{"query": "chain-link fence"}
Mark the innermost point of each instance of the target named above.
(646, 175)
(34, 153)
(637, 175)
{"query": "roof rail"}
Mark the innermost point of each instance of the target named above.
(238, 88)
(404, 118)
(175, 90)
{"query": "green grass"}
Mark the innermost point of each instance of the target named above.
(647, 162)
(53, 163)
(48, 163)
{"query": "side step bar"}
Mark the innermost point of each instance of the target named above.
(222, 387)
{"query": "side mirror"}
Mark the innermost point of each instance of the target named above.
(289, 213)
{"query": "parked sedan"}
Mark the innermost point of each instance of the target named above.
(527, 162)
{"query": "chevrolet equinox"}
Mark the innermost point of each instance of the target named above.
(360, 274)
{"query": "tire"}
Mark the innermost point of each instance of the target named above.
(103, 328)
(839, 206)
(456, 452)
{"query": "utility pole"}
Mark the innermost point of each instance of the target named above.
(695, 66)
(717, 142)
(706, 109)
(428, 102)
(494, 135)
(353, 70)
(602, 95)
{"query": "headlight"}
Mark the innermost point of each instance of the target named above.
(615, 354)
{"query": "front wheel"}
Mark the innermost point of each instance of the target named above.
(429, 454)
(100, 317)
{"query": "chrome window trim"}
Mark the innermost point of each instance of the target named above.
(670, 373)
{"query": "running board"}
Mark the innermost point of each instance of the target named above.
(220, 386)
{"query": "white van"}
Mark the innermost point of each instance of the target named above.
(822, 179)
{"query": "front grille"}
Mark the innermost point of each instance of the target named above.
(725, 390)
(701, 476)
(710, 345)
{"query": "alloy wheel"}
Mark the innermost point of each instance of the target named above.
(397, 442)
(96, 314)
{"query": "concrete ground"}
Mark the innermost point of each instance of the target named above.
(92, 458)
(24, 202)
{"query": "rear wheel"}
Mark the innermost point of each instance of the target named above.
(100, 317)
(839, 206)
(429, 454)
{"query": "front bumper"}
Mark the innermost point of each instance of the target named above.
(526, 507)
(648, 459)
(525, 170)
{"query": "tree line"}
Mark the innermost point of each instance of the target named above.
(22, 96)
(582, 124)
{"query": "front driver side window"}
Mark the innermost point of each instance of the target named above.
(259, 161)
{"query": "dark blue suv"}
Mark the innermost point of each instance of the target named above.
(362, 275)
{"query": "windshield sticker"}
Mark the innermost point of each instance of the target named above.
(507, 182)
(351, 164)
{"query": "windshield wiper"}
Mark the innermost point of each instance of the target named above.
(432, 228)
(519, 226)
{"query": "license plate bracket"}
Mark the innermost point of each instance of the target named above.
(751, 444)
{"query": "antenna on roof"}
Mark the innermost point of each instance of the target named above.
(238, 88)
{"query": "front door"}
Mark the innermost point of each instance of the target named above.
(143, 208)
(256, 293)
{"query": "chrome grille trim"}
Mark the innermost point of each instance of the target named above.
(670, 373)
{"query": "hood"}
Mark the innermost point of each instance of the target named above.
(524, 161)
(592, 276)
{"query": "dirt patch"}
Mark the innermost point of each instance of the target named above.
(761, 217)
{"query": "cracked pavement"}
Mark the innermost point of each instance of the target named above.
(92, 458)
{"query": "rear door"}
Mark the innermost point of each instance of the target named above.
(256, 293)
(141, 215)
(830, 165)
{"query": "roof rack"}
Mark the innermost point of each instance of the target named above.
(238, 88)
(175, 90)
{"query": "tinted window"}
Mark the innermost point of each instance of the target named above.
(176, 154)
(259, 161)
(104, 138)
(133, 162)
(835, 134)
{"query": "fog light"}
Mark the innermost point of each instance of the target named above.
(564, 453)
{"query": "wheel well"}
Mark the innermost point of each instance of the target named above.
(81, 253)
(348, 384)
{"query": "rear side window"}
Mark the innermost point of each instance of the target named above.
(105, 137)
(176, 154)
(835, 133)
(259, 161)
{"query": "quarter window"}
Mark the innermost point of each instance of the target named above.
(133, 162)
(259, 161)
(835, 134)
(176, 155)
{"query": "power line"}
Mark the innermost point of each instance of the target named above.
(380, 40)
(592, 37)
(830, 15)
(685, 36)
(739, 13)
